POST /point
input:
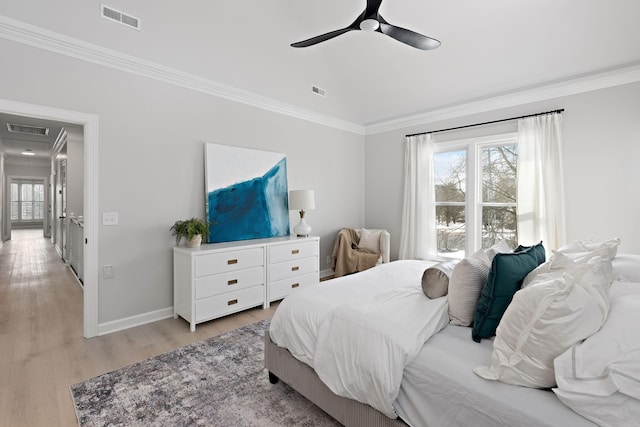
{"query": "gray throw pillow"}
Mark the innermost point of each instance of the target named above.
(466, 283)
(435, 279)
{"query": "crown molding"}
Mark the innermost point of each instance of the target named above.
(602, 80)
(32, 35)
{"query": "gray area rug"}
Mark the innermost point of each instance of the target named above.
(217, 382)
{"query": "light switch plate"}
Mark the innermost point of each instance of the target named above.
(109, 218)
(107, 272)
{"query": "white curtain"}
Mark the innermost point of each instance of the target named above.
(541, 209)
(418, 234)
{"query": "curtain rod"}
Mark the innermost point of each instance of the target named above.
(486, 123)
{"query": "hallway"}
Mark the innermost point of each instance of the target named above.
(42, 349)
(40, 325)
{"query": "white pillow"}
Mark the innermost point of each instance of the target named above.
(611, 247)
(553, 268)
(609, 360)
(502, 247)
(546, 318)
(626, 268)
(615, 410)
(561, 262)
(370, 240)
(467, 280)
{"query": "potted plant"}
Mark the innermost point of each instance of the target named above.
(191, 229)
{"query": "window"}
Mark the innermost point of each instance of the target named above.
(475, 190)
(27, 201)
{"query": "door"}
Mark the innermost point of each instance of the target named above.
(60, 204)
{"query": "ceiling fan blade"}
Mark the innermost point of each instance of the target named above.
(372, 8)
(321, 38)
(408, 37)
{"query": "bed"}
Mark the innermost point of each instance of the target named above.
(437, 385)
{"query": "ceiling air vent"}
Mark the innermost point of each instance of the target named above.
(31, 130)
(318, 91)
(121, 17)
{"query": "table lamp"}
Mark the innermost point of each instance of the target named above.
(302, 200)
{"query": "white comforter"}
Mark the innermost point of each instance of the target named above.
(359, 332)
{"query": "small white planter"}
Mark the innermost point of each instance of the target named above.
(195, 242)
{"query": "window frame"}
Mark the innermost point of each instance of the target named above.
(473, 204)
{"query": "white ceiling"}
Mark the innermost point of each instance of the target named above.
(13, 144)
(489, 47)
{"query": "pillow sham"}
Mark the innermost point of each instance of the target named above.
(435, 279)
(616, 409)
(466, 282)
(608, 361)
(504, 280)
(611, 247)
(544, 320)
(370, 240)
(559, 263)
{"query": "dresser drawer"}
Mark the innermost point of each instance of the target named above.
(281, 288)
(228, 261)
(299, 267)
(291, 251)
(229, 302)
(228, 282)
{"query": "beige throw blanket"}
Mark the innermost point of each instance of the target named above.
(347, 257)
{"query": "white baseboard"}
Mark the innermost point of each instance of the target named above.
(130, 322)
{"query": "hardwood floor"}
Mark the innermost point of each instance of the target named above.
(42, 350)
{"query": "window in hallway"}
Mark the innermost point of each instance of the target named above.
(27, 201)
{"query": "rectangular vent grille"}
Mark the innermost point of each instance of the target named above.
(123, 18)
(31, 130)
(317, 90)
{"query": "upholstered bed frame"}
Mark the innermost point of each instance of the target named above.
(282, 365)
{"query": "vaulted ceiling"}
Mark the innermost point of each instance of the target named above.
(489, 47)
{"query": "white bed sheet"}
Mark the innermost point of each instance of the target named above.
(363, 348)
(297, 320)
(439, 388)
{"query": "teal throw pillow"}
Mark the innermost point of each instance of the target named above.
(538, 251)
(508, 270)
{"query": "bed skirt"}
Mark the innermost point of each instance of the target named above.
(303, 379)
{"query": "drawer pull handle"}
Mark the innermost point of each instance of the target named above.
(232, 282)
(295, 251)
(295, 268)
(295, 285)
(233, 301)
(232, 261)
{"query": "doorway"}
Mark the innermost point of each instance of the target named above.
(89, 124)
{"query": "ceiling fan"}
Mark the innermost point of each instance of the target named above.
(371, 20)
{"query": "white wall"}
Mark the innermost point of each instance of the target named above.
(75, 175)
(151, 170)
(39, 170)
(2, 203)
(601, 150)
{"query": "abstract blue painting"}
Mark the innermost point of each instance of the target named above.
(247, 193)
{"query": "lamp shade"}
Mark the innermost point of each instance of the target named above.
(302, 200)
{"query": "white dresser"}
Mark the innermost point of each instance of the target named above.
(218, 279)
